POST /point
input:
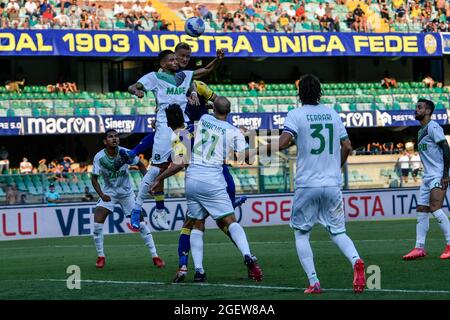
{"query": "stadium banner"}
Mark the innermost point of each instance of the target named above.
(445, 39)
(400, 118)
(113, 43)
(10, 126)
(76, 219)
(143, 123)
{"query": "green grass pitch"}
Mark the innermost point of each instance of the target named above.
(36, 269)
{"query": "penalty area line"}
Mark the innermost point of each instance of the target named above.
(263, 287)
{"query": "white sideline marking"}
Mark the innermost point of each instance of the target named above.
(244, 286)
(206, 244)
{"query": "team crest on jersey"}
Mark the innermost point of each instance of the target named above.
(179, 78)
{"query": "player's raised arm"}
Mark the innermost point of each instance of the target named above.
(170, 171)
(446, 155)
(98, 188)
(202, 72)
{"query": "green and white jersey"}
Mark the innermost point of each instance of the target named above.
(117, 184)
(430, 153)
(318, 131)
(214, 140)
(168, 89)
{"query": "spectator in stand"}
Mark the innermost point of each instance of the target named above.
(399, 147)
(43, 7)
(416, 165)
(149, 10)
(291, 13)
(204, 12)
(430, 83)
(384, 13)
(228, 22)
(374, 148)
(187, 10)
(300, 13)
(388, 148)
(222, 10)
(164, 25)
(52, 197)
(285, 22)
(42, 167)
(31, 9)
(404, 166)
(85, 22)
(261, 86)
(25, 167)
(270, 22)
(63, 21)
(388, 81)
(137, 9)
(23, 199)
(67, 163)
(351, 21)
(4, 162)
(88, 197)
(415, 13)
(14, 86)
(360, 19)
(119, 9)
(12, 195)
(326, 23)
(320, 12)
(400, 15)
(155, 26)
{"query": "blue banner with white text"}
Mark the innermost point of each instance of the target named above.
(250, 44)
(252, 121)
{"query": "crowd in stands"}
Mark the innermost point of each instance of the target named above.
(250, 15)
(74, 14)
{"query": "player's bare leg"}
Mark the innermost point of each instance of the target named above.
(436, 201)
(149, 243)
(239, 237)
(99, 220)
(423, 224)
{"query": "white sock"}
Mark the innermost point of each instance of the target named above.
(423, 224)
(305, 256)
(144, 187)
(444, 223)
(197, 249)
(240, 239)
(98, 238)
(345, 244)
(148, 238)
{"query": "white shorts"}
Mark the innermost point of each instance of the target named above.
(425, 190)
(126, 204)
(162, 146)
(323, 205)
(204, 198)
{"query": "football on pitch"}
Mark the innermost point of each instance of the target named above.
(194, 27)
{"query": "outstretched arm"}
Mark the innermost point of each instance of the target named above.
(170, 171)
(202, 72)
(446, 155)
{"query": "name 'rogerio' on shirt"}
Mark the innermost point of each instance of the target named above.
(318, 117)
